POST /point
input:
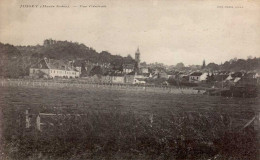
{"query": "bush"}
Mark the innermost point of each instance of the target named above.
(180, 135)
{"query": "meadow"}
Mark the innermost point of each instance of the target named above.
(127, 124)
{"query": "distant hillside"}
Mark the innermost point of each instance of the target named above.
(250, 64)
(10, 61)
(241, 64)
(25, 56)
(69, 51)
(8, 51)
(15, 61)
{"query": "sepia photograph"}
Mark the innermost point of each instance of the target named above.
(129, 79)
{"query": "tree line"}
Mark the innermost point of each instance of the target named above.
(15, 61)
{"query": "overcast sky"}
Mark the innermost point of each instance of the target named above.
(166, 31)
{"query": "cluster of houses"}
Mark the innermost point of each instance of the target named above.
(217, 76)
(51, 68)
(133, 73)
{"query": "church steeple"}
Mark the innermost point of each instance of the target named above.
(137, 57)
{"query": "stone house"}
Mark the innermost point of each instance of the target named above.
(50, 68)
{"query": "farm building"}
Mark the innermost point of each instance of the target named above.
(135, 78)
(118, 79)
(147, 75)
(144, 70)
(50, 68)
(129, 79)
(222, 77)
(128, 68)
(160, 74)
(251, 75)
(113, 78)
(196, 77)
(175, 74)
(139, 81)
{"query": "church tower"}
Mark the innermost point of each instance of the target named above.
(137, 58)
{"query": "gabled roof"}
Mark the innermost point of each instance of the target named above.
(220, 77)
(237, 74)
(128, 66)
(196, 74)
(53, 64)
(250, 75)
(146, 74)
(115, 74)
(58, 64)
(223, 72)
(131, 73)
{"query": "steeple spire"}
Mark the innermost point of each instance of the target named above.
(137, 51)
(137, 57)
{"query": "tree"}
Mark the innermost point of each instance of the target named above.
(233, 60)
(97, 70)
(249, 57)
(213, 66)
(210, 78)
(180, 65)
(204, 64)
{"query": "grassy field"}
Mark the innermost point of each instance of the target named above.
(127, 124)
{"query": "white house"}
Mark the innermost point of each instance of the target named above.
(144, 70)
(51, 68)
(139, 81)
(128, 68)
(118, 79)
(196, 77)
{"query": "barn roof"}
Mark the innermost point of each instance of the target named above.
(220, 77)
(59, 65)
(128, 66)
(54, 64)
(196, 74)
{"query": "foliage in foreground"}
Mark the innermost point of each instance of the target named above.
(118, 135)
